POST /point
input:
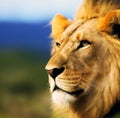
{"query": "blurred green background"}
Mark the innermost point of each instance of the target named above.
(23, 85)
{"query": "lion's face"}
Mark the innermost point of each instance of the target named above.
(78, 61)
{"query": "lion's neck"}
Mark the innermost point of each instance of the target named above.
(99, 102)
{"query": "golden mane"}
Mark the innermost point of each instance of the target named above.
(96, 8)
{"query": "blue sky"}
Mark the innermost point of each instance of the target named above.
(36, 10)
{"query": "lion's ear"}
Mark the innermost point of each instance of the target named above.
(59, 24)
(111, 23)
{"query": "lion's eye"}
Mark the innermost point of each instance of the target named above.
(84, 43)
(57, 44)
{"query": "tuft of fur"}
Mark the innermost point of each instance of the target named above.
(96, 8)
(59, 24)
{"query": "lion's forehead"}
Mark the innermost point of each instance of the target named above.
(77, 30)
(72, 28)
(80, 30)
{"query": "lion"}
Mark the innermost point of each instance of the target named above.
(84, 68)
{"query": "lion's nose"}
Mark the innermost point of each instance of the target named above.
(55, 72)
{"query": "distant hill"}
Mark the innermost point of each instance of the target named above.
(33, 36)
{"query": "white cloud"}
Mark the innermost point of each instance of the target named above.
(36, 9)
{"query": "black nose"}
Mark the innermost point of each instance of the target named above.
(55, 72)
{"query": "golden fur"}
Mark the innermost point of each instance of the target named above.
(84, 69)
(96, 8)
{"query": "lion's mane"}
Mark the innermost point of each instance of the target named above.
(96, 8)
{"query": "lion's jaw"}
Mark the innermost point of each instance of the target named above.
(63, 99)
(59, 96)
(64, 95)
(79, 104)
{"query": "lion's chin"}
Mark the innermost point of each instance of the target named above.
(63, 98)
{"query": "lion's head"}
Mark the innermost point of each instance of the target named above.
(84, 68)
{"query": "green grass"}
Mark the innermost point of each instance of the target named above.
(23, 85)
(117, 115)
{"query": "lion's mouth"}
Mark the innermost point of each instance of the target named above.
(76, 93)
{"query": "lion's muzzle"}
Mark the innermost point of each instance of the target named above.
(55, 72)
